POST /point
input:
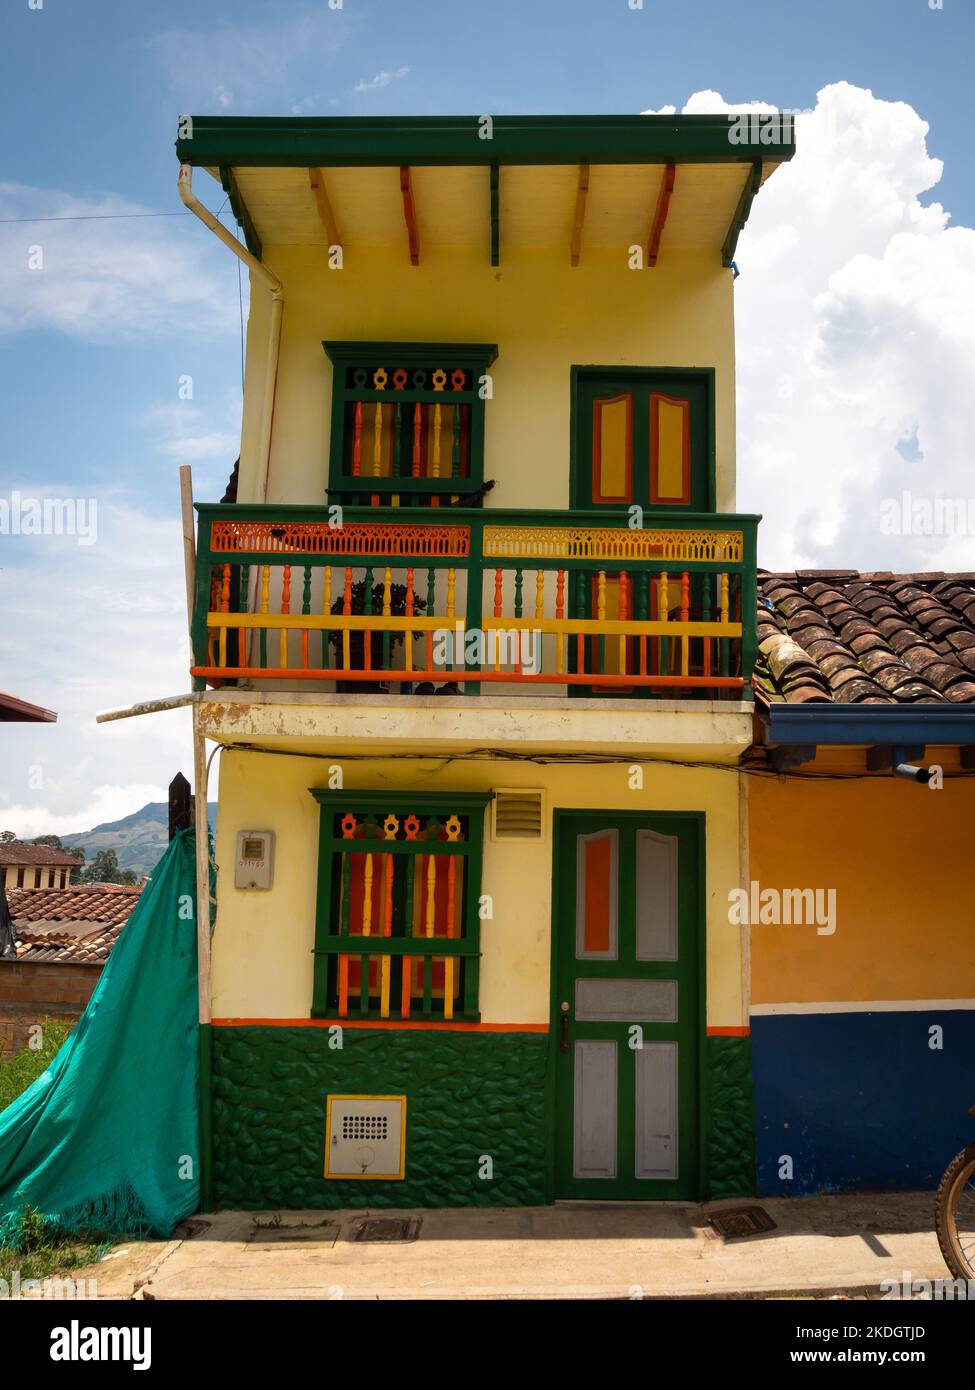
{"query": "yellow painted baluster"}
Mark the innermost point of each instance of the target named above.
(663, 604)
(685, 612)
(724, 598)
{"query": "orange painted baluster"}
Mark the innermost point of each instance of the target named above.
(498, 609)
(377, 449)
(623, 614)
(453, 835)
(559, 616)
(224, 608)
(663, 600)
(346, 612)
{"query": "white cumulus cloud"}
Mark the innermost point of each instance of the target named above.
(855, 316)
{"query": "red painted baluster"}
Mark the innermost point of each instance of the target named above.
(357, 441)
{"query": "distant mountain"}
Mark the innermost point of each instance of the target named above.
(139, 840)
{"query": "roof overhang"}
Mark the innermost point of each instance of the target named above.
(575, 183)
(868, 725)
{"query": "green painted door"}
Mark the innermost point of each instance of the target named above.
(627, 1007)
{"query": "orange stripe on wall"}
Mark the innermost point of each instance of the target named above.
(378, 1023)
(729, 1032)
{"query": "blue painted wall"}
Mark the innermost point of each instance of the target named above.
(861, 1100)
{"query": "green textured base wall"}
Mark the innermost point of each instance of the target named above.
(468, 1095)
(731, 1118)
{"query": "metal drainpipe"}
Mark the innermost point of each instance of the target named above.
(256, 267)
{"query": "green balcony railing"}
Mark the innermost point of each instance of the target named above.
(493, 600)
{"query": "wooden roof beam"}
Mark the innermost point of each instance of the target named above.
(579, 221)
(409, 213)
(660, 215)
(316, 177)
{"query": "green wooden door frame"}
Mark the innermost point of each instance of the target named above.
(664, 379)
(693, 1110)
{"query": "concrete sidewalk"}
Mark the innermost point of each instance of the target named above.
(820, 1246)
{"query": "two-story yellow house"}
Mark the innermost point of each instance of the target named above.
(475, 640)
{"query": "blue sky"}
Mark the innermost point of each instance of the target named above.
(91, 349)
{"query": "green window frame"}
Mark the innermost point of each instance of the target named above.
(407, 422)
(637, 397)
(378, 873)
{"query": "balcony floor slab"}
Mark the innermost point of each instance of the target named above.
(697, 730)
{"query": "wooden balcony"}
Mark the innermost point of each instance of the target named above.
(469, 600)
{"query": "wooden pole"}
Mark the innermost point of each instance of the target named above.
(202, 870)
(189, 540)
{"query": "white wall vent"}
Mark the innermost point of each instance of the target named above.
(517, 813)
(365, 1137)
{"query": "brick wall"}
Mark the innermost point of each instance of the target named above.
(33, 991)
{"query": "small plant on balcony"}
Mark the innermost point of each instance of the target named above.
(397, 609)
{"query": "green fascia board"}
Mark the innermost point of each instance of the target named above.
(386, 800)
(331, 141)
(464, 354)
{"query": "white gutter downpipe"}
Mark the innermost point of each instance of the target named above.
(256, 267)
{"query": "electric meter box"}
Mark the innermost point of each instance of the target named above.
(365, 1136)
(255, 859)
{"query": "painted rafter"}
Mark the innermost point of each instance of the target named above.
(239, 208)
(579, 221)
(752, 184)
(316, 177)
(409, 213)
(660, 214)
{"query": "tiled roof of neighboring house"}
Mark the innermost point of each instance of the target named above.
(838, 636)
(34, 854)
(64, 949)
(74, 926)
(12, 708)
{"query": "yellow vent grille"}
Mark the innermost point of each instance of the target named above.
(517, 814)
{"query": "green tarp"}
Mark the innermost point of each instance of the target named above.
(108, 1136)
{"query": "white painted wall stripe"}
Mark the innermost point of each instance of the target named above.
(867, 1006)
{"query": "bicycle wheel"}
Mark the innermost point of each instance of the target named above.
(955, 1214)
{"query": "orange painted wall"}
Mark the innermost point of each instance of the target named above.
(900, 858)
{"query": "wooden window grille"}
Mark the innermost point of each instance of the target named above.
(397, 929)
(407, 423)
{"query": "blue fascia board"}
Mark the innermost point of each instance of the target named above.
(869, 725)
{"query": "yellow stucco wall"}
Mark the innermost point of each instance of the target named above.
(544, 315)
(262, 962)
(898, 856)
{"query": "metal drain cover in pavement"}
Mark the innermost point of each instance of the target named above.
(737, 1222)
(388, 1229)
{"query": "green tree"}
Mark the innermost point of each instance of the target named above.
(7, 837)
(104, 868)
